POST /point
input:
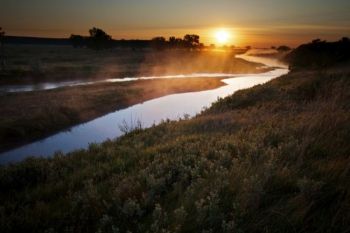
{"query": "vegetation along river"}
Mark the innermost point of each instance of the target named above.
(151, 112)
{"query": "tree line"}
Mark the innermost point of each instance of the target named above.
(97, 40)
(100, 40)
(282, 48)
(189, 41)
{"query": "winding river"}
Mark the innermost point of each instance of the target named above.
(148, 113)
(54, 85)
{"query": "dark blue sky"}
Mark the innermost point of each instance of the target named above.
(251, 21)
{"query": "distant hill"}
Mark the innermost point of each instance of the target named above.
(66, 41)
(319, 54)
(36, 40)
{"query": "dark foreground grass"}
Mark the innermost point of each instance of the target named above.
(273, 158)
(27, 116)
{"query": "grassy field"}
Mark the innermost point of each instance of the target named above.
(273, 158)
(35, 63)
(27, 116)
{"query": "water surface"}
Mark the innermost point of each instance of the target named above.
(150, 112)
(53, 85)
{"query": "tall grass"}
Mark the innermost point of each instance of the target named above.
(273, 158)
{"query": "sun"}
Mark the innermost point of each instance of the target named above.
(222, 36)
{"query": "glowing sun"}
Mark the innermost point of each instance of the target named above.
(222, 36)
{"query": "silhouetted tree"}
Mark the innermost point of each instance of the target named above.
(319, 54)
(99, 39)
(77, 41)
(179, 43)
(316, 41)
(191, 41)
(283, 48)
(172, 42)
(158, 43)
(2, 55)
(175, 42)
(345, 40)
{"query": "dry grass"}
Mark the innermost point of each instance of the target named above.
(31, 115)
(273, 158)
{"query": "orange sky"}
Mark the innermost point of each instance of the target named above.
(259, 23)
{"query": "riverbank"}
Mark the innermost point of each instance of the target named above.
(28, 116)
(25, 117)
(148, 113)
(272, 157)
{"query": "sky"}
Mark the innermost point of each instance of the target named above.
(258, 23)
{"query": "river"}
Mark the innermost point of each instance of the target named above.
(151, 112)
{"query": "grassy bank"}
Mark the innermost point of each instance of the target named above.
(27, 116)
(35, 63)
(273, 158)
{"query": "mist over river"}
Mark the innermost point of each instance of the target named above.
(148, 113)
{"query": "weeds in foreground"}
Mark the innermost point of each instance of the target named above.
(133, 126)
